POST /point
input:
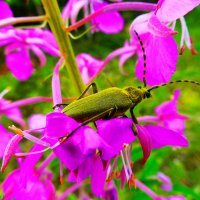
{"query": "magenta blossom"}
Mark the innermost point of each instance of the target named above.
(81, 145)
(156, 34)
(150, 136)
(27, 183)
(20, 43)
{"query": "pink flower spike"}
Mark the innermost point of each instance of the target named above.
(10, 149)
(159, 29)
(145, 141)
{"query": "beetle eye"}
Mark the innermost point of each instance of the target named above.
(147, 94)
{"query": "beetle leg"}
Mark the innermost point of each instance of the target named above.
(92, 119)
(133, 116)
(94, 88)
(60, 104)
(134, 128)
(112, 112)
(95, 125)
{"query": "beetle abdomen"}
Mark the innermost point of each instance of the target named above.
(98, 103)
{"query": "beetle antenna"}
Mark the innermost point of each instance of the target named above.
(172, 82)
(144, 59)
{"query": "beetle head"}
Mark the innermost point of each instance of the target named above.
(137, 94)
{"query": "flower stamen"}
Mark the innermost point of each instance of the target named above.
(16, 130)
(132, 181)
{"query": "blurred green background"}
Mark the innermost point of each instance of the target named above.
(182, 165)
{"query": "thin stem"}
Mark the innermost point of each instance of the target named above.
(30, 101)
(70, 190)
(19, 20)
(138, 6)
(145, 189)
(56, 90)
(148, 119)
(57, 26)
(112, 55)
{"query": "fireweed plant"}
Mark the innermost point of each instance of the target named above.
(102, 155)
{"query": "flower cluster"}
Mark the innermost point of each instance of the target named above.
(99, 153)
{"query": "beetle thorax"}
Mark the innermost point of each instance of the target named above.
(136, 94)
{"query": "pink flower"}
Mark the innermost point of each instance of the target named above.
(20, 43)
(156, 34)
(27, 183)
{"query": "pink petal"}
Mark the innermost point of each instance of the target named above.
(9, 151)
(170, 10)
(6, 12)
(88, 65)
(75, 9)
(30, 162)
(110, 22)
(5, 137)
(36, 121)
(161, 59)
(19, 63)
(164, 137)
(98, 177)
(115, 132)
(140, 24)
(40, 55)
(159, 29)
(59, 124)
(145, 141)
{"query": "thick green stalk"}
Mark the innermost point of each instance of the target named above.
(57, 27)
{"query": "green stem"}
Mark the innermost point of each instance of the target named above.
(57, 27)
(19, 20)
